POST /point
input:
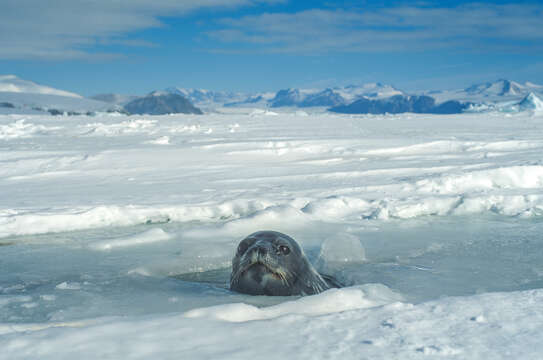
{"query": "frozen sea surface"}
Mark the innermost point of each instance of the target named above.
(116, 234)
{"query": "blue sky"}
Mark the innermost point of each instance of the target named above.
(136, 46)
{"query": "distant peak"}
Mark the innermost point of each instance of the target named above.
(14, 84)
(158, 93)
(532, 97)
(531, 102)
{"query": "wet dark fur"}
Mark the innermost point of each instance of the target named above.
(272, 263)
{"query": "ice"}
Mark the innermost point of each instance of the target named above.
(117, 234)
(444, 329)
(124, 127)
(147, 237)
(332, 301)
(260, 112)
(68, 286)
(163, 140)
(21, 129)
(338, 251)
(502, 178)
(25, 223)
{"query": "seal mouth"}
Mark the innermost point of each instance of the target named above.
(261, 267)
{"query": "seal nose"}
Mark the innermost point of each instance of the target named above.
(262, 251)
(259, 251)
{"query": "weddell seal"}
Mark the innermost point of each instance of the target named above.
(272, 263)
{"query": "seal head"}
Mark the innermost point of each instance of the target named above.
(272, 263)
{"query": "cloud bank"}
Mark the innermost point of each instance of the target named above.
(481, 27)
(65, 29)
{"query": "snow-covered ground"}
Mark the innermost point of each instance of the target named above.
(116, 235)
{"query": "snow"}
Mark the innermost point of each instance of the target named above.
(147, 237)
(336, 300)
(373, 90)
(31, 103)
(117, 232)
(337, 324)
(493, 94)
(163, 140)
(21, 129)
(68, 286)
(123, 127)
(531, 102)
(27, 97)
(11, 83)
(210, 99)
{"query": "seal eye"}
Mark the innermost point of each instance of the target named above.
(242, 247)
(284, 250)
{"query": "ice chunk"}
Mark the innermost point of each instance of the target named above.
(163, 140)
(68, 286)
(339, 250)
(330, 301)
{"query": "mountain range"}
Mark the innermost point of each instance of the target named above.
(501, 87)
(401, 104)
(488, 92)
(204, 97)
(23, 96)
(337, 97)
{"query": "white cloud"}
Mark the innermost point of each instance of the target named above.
(64, 28)
(481, 27)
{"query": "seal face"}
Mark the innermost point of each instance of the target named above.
(272, 263)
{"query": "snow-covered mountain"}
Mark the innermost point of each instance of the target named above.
(11, 83)
(401, 104)
(370, 90)
(161, 102)
(204, 97)
(290, 97)
(500, 87)
(259, 100)
(26, 97)
(28, 103)
(327, 97)
(332, 96)
(489, 92)
(456, 100)
(501, 95)
(531, 102)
